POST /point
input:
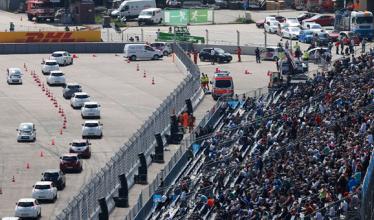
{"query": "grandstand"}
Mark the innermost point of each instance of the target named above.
(298, 152)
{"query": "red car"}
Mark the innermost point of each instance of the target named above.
(346, 36)
(323, 20)
(81, 147)
(70, 163)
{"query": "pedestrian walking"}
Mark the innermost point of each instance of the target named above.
(337, 44)
(239, 51)
(363, 45)
(257, 52)
(352, 46)
(341, 42)
(213, 55)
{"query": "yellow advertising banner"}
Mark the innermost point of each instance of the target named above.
(50, 36)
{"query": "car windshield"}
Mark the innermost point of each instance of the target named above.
(308, 32)
(69, 158)
(273, 23)
(91, 125)
(50, 63)
(315, 26)
(73, 86)
(293, 20)
(219, 50)
(223, 83)
(25, 204)
(90, 106)
(79, 144)
(57, 55)
(81, 96)
(149, 13)
(323, 35)
(351, 34)
(15, 76)
(42, 186)
(57, 74)
(294, 29)
(25, 128)
(364, 20)
(49, 176)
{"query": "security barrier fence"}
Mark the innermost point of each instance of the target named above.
(367, 199)
(104, 184)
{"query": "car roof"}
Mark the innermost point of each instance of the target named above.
(92, 121)
(79, 141)
(56, 71)
(80, 93)
(60, 52)
(91, 103)
(52, 171)
(26, 123)
(70, 155)
(51, 61)
(43, 183)
(152, 9)
(14, 69)
(73, 84)
(27, 200)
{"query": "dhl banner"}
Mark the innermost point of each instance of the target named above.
(50, 36)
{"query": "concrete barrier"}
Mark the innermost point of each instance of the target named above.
(36, 48)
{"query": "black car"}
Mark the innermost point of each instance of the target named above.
(55, 176)
(70, 89)
(305, 15)
(321, 39)
(220, 56)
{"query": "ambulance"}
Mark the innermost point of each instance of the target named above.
(222, 84)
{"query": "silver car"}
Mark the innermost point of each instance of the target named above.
(78, 99)
(90, 110)
(26, 132)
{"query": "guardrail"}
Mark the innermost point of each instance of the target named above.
(105, 183)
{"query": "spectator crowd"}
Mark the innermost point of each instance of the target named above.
(299, 152)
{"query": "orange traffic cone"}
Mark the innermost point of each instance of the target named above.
(13, 179)
(41, 154)
(64, 125)
(137, 67)
(153, 81)
(24, 65)
(128, 60)
(21, 18)
(27, 166)
(75, 56)
(145, 74)
(53, 142)
(65, 119)
(61, 131)
(59, 109)
(1, 191)
(93, 55)
(246, 72)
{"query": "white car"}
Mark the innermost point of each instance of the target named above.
(281, 26)
(312, 26)
(271, 26)
(28, 208)
(26, 132)
(62, 58)
(90, 110)
(44, 190)
(78, 99)
(292, 22)
(163, 47)
(291, 32)
(270, 18)
(14, 76)
(50, 65)
(92, 128)
(56, 78)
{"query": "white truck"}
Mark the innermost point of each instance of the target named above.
(131, 9)
(150, 16)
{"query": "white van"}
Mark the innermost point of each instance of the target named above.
(150, 16)
(141, 51)
(131, 9)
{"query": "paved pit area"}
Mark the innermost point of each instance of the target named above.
(127, 100)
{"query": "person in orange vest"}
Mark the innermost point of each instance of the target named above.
(185, 119)
(239, 51)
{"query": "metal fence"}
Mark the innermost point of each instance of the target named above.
(105, 182)
(367, 199)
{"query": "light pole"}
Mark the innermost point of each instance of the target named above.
(266, 38)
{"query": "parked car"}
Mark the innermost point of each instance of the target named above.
(78, 99)
(291, 32)
(279, 18)
(270, 18)
(281, 26)
(220, 56)
(292, 22)
(26, 132)
(141, 51)
(306, 36)
(70, 163)
(80, 147)
(90, 110)
(313, 52)
(150, 16)
(271, 26)
(222, 4)
(260, 23)
(28, 208)
(56, 78)
(44, 191)
(305, 15)
(69, 90)
(163, 47)
(57, 177)
(270, 53)
(321, 39)
(312, 26)
(62, 58)
(49, 65)
(14, 76)
(92, 129)
(322, 19)
(346, 37)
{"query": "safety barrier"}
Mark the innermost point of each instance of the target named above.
(367, 199)
(105, 183)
